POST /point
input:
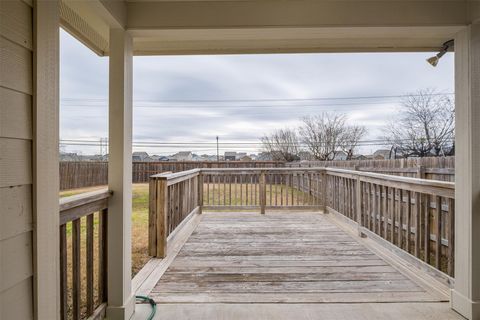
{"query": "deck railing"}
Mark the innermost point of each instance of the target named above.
(83, 283)
(415, 215)
(173, 197)
(274, 188)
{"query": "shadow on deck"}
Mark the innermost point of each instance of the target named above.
(284, 266)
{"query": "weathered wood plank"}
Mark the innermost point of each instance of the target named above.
(231, 255)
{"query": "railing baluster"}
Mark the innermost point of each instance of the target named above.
(392, 216)
(409, 220)
(102, 255)
(400, 218)
(224, 189)
(89, 256)
(76, 265)
(427, 228)
(385, 211)
(438, 232)
(451, 237)
(418, 217)
(63, 272)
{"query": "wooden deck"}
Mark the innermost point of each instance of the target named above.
(282, 258)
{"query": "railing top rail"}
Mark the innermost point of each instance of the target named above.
(207, 170)
(434, 187)
(79, 205)
(84, 198)
(170, 175)
(410, 180)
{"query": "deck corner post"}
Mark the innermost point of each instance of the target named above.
(465, 296)
(152, 217)
(161, 199)
(263, 192)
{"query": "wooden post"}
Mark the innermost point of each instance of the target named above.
(465, 297)
(263, 192)
(421, 172)
(152, 217)
(161, 204)
(323, 194)
(358, 205)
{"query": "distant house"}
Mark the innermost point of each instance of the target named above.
(381, 154)
(340, 155)
(240, 155)
(359, 157)
(69, 157)
(155, 158)
(264, 156)
(140, 156)
(245, 158)
(183, 156)
(99, 157)
(230, 156)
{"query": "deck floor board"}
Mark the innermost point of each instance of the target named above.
(280, 258)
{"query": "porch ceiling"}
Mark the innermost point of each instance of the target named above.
(265, 26)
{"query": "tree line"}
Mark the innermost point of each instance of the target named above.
(424, 127)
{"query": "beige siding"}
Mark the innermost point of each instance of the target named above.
(16, 267)
(16, 302)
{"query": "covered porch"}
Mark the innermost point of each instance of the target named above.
(32, 228)
(340, 241)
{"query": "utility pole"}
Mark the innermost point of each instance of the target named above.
(218, 154)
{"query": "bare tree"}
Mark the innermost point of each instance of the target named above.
(426, 125)
(351, 138)
(282, 144)
(327, 133)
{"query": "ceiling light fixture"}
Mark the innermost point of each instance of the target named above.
(445, 47)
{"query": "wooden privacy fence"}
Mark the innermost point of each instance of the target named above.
(415, 215)
(82, 174)
(83, 228)
(431, 168)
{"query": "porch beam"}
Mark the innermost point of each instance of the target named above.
(466, 293)
(144, 15)
(46, 262)
(121, 300)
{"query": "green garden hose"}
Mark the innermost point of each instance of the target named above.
(152, 303)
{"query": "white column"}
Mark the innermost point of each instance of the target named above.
(46, 296)
(121, 301)
(466, 293)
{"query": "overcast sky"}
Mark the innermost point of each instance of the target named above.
(170, 94)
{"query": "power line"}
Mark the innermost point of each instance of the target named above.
(272, 100)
